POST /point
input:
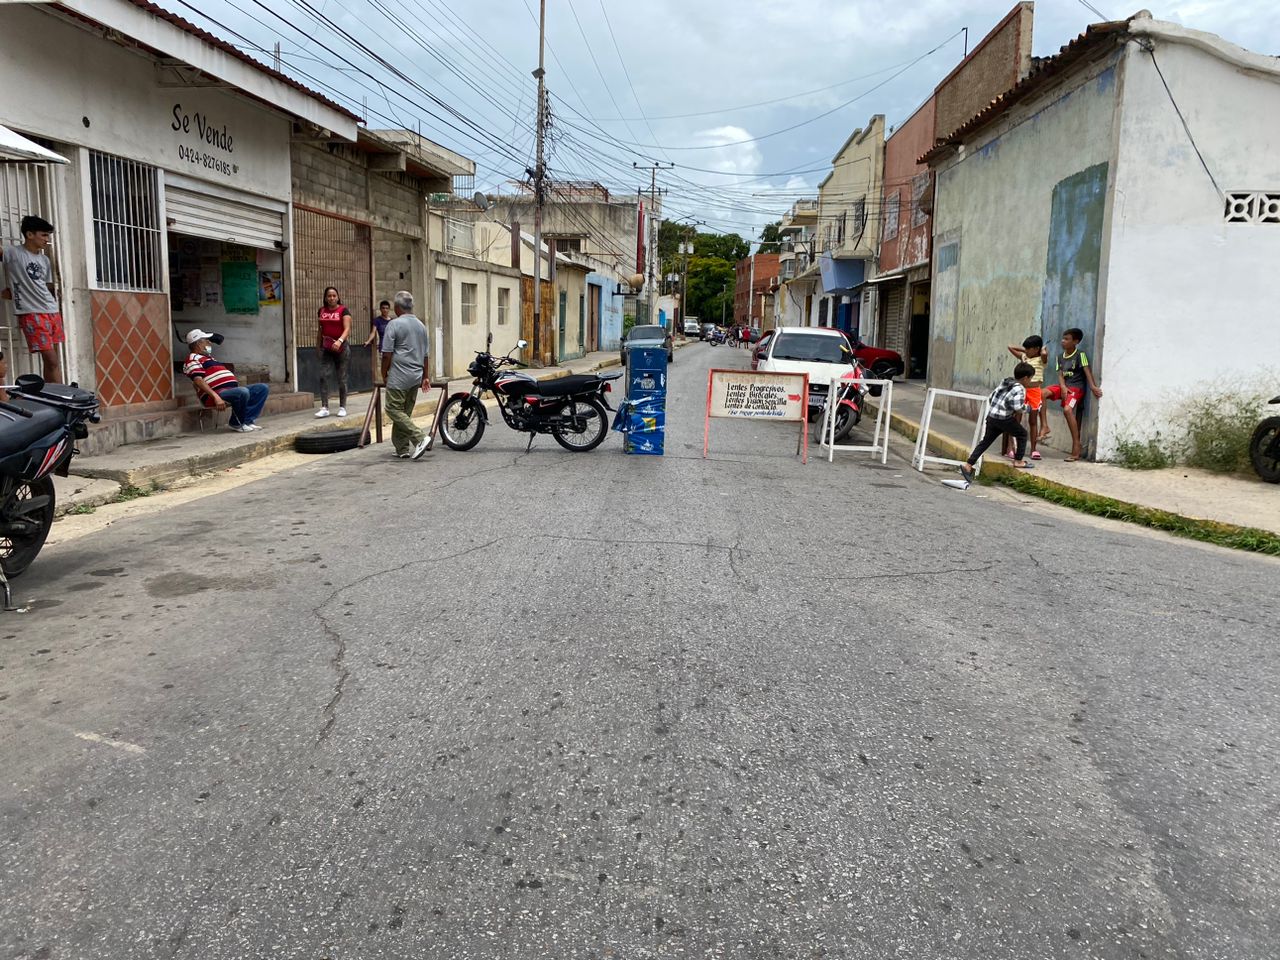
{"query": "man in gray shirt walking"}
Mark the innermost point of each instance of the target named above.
(405, 349)
(29, 284)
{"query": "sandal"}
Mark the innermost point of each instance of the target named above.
(1070, 459)
(1035, 455)
(1023, 466)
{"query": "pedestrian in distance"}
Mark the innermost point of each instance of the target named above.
(1072, 367)
(1032, 351)
(1005, 402)
(217, 387)
(405, 354)
(377, 327)
(29, 275)
(333, 332)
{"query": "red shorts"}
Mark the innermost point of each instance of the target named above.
(1035, 397)
(1069, 402)
(42, 330)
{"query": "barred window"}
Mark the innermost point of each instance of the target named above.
(891, 216)
(504, 304)
(126, 223)
(468, 304)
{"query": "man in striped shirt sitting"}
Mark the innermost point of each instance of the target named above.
(217, 387)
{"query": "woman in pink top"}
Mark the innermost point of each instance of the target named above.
(333, 350)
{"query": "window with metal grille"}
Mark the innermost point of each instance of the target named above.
(504, 305)
(1252, 207)
(468, 304)
(126, 223)
(891, 214)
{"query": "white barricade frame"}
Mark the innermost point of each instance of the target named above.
(884, 410)
(921, 456)
(802, 400)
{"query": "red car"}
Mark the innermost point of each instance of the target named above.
(883, 364)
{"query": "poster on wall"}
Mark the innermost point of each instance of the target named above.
(269, 288)
(240, 286)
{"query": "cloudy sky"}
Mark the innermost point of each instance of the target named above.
(708, 85)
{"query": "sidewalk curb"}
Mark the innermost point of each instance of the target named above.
(212, 461)
(1250, 539)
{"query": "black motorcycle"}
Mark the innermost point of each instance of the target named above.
(571, 409)
(1264, 448)
(39, 425)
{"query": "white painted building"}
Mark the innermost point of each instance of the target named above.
(1078, 199)
(174, 210)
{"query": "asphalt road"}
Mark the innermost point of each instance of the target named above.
(544, 705)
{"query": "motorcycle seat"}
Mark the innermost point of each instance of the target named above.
(17, 431)
(564, 386)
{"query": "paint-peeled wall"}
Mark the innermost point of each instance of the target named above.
(1189, 297)
(908, 191)
(610, 310)
(1000, 254)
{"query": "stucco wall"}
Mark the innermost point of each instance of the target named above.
(993, 215)
(610, 311)
(857, 172)
(128, 113)
(1189, 298)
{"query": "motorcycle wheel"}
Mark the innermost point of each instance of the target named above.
(846, 420)
(1263, 448)
(462, 423)
(594, 429)
(18, 551)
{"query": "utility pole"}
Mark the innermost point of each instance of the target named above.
(652, 233)
(539, 186)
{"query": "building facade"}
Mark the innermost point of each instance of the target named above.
(1079, 199)
(175, 208)
(756, 280)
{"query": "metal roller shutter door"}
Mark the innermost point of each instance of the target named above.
(216, 218)
(895, 334)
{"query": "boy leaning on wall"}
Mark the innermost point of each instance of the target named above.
(1074, 374)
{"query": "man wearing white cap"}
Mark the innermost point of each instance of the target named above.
(216, 386)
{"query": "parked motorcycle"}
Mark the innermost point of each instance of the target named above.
(571, 409)
(1264, 448)
(852, 394)
(39, 425)
(717, 337)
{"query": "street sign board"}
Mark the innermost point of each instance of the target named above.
(753, 394)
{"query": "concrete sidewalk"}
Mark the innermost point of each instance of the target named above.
(1235, 501)
(187, 455)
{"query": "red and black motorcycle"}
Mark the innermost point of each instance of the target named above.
(39, 425)
(571, 409)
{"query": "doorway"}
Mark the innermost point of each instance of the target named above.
(594, 299)
(918, 333)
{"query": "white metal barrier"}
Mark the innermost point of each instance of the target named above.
(840, 389)
(922, 455)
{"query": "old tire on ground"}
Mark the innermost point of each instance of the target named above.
(327, 441)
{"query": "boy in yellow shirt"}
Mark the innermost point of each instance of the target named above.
(1032, 352)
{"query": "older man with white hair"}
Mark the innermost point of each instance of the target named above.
(405, 348)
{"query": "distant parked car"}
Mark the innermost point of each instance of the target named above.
(708, 328)
(651, 336)
(883, 364)
(820, 352)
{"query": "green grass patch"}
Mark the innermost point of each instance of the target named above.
(130, 492)
(1151, 454)
(1218, 437)
(1206, 531)
(80, 509)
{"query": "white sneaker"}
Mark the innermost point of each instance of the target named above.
(342, 411)
(421, 448)
(237, 428)
(322, 413)
(253, 426)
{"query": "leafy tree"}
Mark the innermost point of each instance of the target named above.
(711, 283)
(771, 238)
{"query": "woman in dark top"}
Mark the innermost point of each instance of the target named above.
(333, 350)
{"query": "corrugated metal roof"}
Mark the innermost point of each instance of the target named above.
(1044, 70)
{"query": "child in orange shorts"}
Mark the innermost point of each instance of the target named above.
(1032, 352)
